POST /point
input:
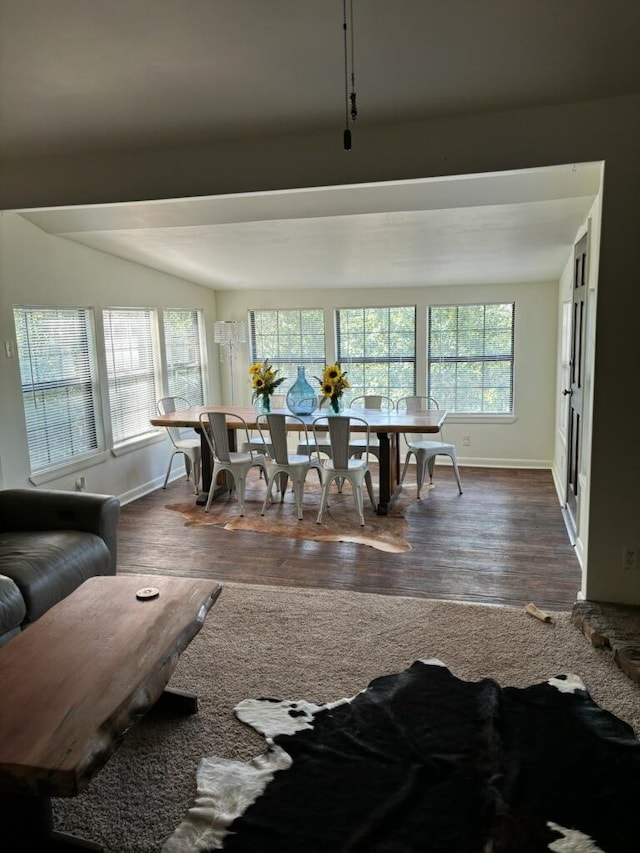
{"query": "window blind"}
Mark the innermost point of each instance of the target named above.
(131, 371)
(56, 351)
(183, 355)
(289, 338)
(470, 357)
(377, 348)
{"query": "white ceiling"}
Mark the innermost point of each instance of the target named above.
(84, 75)
(483, 229)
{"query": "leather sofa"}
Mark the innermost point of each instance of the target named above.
(50, 542)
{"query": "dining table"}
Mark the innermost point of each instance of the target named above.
(388, 426)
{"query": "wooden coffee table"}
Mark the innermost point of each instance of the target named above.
(74, 681)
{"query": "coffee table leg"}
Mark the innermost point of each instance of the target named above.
(28, 819)
(180, 701)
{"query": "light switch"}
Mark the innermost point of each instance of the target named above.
(9, 350)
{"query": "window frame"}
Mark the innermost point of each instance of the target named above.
(311, 357)
(346, 360)
(483, 358)
(198, 365)
(82, 363)
(122, 442)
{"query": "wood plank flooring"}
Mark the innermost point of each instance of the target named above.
(502, 542)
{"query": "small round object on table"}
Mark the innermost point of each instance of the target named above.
(147, 592)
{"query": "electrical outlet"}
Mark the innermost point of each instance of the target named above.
(466, 440)
(629, 557)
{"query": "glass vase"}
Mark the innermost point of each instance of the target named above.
(335, 405)
(301, 397)
(263, 404)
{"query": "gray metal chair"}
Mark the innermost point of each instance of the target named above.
(188, 447)
(425, 451)
(340, 466)
(281, 464)
(236, 464)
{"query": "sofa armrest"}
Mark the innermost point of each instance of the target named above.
(48, 509)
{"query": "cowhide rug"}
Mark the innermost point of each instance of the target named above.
(424, 761)
(339, 522)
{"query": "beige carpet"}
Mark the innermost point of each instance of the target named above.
(339, 521)
(318, 645)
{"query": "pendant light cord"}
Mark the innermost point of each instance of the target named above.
(350, 112)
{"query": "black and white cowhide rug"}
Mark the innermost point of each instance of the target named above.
(424, 761)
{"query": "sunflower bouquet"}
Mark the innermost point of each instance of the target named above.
(332, 384)
(264, 381)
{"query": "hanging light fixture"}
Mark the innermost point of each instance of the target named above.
(350, 107)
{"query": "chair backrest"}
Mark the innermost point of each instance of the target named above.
(340, 427)
(380, 402)
(418, 404)
(215, 429)
(166, 405)
(277, 438)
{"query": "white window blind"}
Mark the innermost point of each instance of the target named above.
(183, 355)
(289, 338)
(470, 357)
(377, 348)
(131, 371)
(56, 351)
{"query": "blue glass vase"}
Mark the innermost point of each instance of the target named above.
(301, 397)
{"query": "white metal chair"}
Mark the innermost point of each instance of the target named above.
(236, 464)
(188, 447)
(340, 466)
(283, 465)
(312, 443)
(377, 402)
(425, 451)
(260, 443)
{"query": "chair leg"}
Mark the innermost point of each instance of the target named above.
(240, 493)
(298, 490)
(359, 499)
(421, 465)
(454, 461)
(323, 500)
(405, 466)
(166, 476)
(367, 479)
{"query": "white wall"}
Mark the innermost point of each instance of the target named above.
(600, 130)
(527, 440)
(38, 269)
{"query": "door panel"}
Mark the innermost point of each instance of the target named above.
(576, 375)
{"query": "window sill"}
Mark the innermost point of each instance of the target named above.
(138, 443)
(481, 419)
(42, 477)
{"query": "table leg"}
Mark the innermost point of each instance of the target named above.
(28, 820)
(389, 467)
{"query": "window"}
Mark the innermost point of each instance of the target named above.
(288, 339)
(377, 348)
(131, 370)
(470, 358)
(56, 350)
(183, 355)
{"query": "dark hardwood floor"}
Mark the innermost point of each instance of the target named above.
(502, 542)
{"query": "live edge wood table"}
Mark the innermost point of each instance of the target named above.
(72, 684)
(388, 426)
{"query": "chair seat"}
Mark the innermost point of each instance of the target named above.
(425, 453)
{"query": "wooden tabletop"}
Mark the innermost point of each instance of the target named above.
(73, 682)
(379, 421)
